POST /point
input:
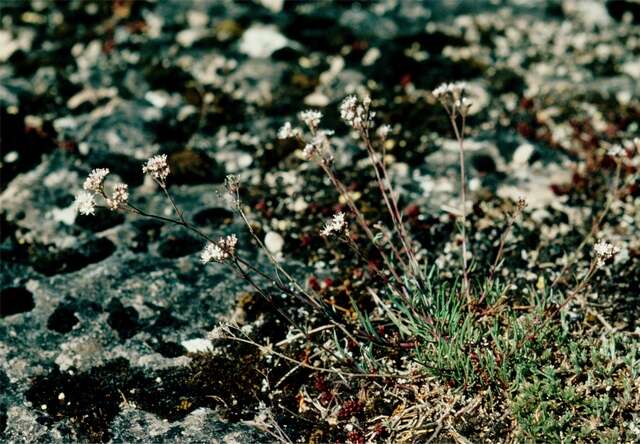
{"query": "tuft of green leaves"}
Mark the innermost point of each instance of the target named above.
(556, 380)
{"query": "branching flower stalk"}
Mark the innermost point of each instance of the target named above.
(359, 116)
(219, 251)
(319, 151)
(232, 186)
(222, 250)
(612, 195)
(356, 113)
(452, 98)
(602, 252)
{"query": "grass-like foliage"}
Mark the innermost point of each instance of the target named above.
(555, 382)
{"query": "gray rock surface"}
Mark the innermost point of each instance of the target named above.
(99, 314)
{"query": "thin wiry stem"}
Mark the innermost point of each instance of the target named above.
(360, 219)
(316, 368)
(385, 183)
(595, 225)
(391, 208)
(173, 204)
(496, 263)
(246, 277)
(463, 200)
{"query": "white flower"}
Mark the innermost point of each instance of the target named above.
(85, 203)
(94, 182)
(120, 196)
(616, 150)
(157, 167)
(355, 113)
(287, 131)
(447, 90)
(347, 108)
(383, 131)
(219, 332)
(604, 251)
(311, 118)
(335, 225)
(309, 151)
(219, 251)
(633, 144)
(319, 145)
(453, 95)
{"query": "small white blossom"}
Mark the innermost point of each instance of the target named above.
(287, 131)
(95, 180)
(633, 144)
(355, 113)
(309, 151)
(604, 251)
(85, 203)
(319, 145)
(615, 150)
(383, 131)
(311, 118)
(219, 332)
(157, 167)
(219, 251)
(119, 198)
(452, 95)
(450, 90)
(335, 225)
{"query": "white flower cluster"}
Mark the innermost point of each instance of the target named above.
(616, 150)
(157, 167)
(94, 182)
(287, 131)
(219, 251)
(604, 251)
(633, 144)
(319, 145)
(311, 118)
(220, 331)
(452, 95)
(383, 131)
(85, 203)
(356, 113)
(337, 224)
(119, 198)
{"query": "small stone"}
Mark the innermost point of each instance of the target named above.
(522, 154)
(260, 41)
(197, 345)
(274, 242)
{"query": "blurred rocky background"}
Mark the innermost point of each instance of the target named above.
(102, 318)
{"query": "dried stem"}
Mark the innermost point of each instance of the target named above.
(459, 133)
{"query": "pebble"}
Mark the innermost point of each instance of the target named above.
(197, 345)
(274, 242)
(260, 41)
